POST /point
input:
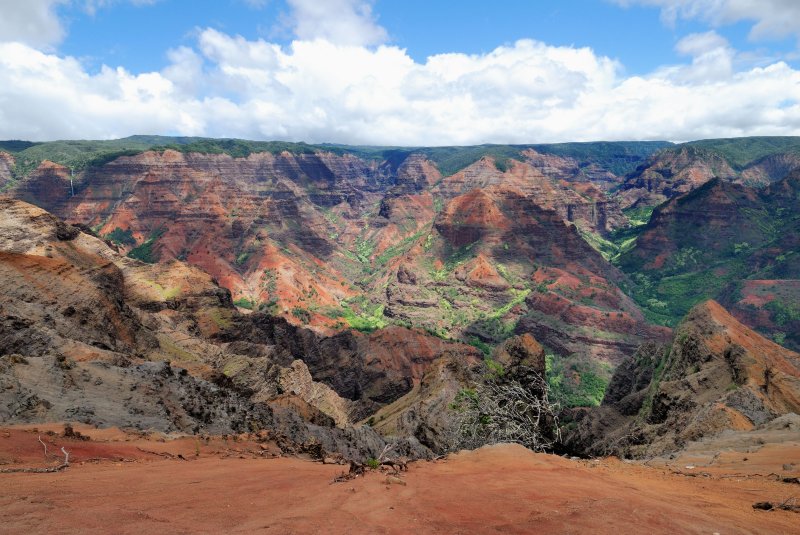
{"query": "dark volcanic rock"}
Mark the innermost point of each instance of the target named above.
(372, 370)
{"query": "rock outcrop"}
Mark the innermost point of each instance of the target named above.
(716, 375)
(549, 189)
(426, 411)
(369, 370)
(672, 172)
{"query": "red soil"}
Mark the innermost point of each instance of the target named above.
(498, 489)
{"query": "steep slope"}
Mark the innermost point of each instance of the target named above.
(672, 172)
(79, 323)
(430, 412)
(772, 307)
(59, 292)
(317, 237)
(708, 243)
(756, 161)
(369, 370)
(570, 169)
(546, 185)
(716, 374)
(179, 206)
(337, 237)
(496, 261)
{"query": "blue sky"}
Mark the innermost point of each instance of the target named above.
(138, 36)
(407, 72)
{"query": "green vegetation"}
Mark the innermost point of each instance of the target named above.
(400, 248)
(494, 368)
(363, 250)
(667, 299)
(269, 280)
(77, 155)
(621, 240)
(575, 382)
(451, 160)
(740, 152)
(244, 302)
(639, 216)
(618, 157)
(783, 312)
(145, 251)
(302, 314)
(485, 348)
(518, 297)
(237, 148)
(360, 314)
(121, 237)
(704, 262)
(373, 463)
(15, 145)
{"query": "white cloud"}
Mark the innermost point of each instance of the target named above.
(712, 58)
(772, 18)
(319, 91)
(34, 22)
(37, 23)
(345, 22)
(337, 83)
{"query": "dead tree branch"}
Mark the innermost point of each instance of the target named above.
(44, 446)
(49, 470)
(505, 410)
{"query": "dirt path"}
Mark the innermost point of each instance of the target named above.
(501, 489)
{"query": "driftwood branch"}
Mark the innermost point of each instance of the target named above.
(44, 446)
(49, 470)
(789, 504)
(386, 449)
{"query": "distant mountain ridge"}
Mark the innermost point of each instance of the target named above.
(617, 156)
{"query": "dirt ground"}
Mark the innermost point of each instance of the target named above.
(121, 483)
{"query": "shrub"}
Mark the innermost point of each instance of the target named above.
(121, 237)
(503, 409)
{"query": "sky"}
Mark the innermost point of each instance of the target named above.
(400, 72)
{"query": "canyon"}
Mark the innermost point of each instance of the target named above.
(339, 305)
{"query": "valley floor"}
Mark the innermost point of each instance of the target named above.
(120, 483)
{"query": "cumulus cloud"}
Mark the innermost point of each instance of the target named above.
(347, 22)
(36, 22)
(320, 91)
(772, 18)
(712, 58)
(326, 88)
(33, 22)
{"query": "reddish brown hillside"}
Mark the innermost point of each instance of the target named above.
(716, 375)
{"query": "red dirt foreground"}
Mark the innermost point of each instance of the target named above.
(118, 483)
